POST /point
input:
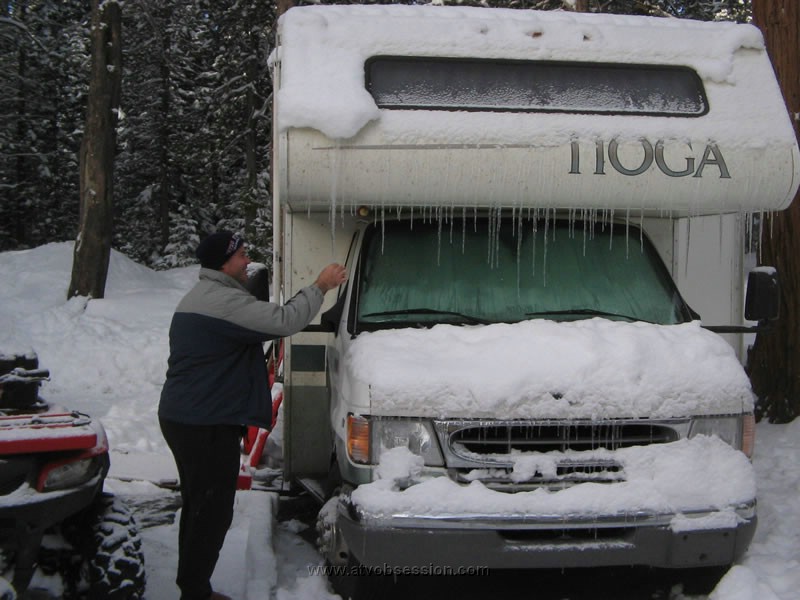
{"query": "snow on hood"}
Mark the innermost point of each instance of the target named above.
(591, 369)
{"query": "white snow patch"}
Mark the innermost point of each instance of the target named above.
(593, 369)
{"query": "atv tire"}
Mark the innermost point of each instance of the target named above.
(111, 559)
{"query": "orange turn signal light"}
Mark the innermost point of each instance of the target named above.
(749, 435)
(358, 439)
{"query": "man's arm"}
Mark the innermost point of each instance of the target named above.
(281, 321)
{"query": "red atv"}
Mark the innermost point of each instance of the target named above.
(53, 463)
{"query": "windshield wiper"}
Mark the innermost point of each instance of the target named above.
(592, 312)
(429, 311)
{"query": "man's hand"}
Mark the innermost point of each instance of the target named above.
(331, 276)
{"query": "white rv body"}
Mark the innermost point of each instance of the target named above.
(338, 147)
(344, 168)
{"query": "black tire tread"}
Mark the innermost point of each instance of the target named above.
(112, 563)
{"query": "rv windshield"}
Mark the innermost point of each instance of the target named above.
(487, 270)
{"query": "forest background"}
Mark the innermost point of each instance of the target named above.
(193, 139)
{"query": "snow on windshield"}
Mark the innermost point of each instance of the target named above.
(592, 369)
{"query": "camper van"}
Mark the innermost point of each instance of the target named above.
(536, 361)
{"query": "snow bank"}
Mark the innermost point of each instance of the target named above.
(774, 556)
(594, 369)
(740, 583)
(107, 358)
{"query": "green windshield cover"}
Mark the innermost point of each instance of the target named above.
(510, 270)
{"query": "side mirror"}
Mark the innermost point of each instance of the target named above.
(762, 302)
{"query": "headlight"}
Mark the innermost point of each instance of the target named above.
(739, 431)
(68, 474)
(368, 437)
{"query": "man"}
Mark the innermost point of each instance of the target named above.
(216, 384)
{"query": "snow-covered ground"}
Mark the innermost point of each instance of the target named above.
(108, 358)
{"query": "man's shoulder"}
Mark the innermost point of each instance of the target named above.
(213, 297)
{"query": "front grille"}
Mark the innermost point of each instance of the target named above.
(562, 437)
(558, 453)
(566, 536)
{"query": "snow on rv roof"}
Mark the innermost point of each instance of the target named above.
(324, 48)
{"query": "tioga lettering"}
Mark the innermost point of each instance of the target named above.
(712, 156)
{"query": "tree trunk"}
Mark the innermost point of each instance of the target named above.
(774, 362)
(284, 5)
(93, 246)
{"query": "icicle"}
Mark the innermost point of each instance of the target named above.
(611, 229)
(544, 249)
(627, 232)
(334, 184)
(463, 229)
(641, 231)
(519, 256)
(573, 213)
(688, 242)
(452, 224)
(497, 237)
(514, 217)
(489, 238)
(438, 236)
(383, 228)
(533, 244)
(492, 241)
(585, 217)
(748, 231)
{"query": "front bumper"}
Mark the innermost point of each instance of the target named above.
(39, 510)
(700, 539)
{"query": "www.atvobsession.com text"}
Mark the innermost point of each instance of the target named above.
(394, 570)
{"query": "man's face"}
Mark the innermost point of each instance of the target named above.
(236, 266)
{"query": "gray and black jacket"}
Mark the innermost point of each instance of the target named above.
(216, 371)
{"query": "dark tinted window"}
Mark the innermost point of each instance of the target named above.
(503, 85)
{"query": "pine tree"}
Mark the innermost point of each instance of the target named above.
(43, 64)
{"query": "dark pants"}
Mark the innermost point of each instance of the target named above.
(207, 457)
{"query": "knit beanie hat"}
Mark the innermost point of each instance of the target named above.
(217, 248)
